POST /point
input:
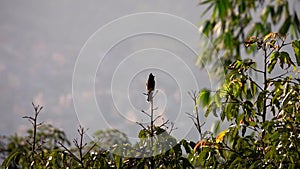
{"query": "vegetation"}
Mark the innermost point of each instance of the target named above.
(259, 96)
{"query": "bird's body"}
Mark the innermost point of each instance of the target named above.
(150, 85)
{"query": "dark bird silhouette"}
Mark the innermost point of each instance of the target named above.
(150, 85)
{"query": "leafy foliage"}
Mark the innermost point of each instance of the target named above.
(262, 109)
(231, 22)
(261, 103)
(264, 117)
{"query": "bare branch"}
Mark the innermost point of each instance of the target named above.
(141, 125)
(29, 118)
(257, 70)
(145, 113)
(69, 151)
(255, 83)
(195, 118)
(156, 118)
(164, 123)
(90, 149)
(172, 128)
(279, 76)
(190, 115)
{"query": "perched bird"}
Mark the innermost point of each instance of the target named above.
(150, 85)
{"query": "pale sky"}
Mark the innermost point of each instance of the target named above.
(41, 40)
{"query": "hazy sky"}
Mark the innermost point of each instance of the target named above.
(41, 40)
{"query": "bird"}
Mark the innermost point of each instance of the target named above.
(150, 85)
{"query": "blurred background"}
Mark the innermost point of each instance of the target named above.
(39, 44)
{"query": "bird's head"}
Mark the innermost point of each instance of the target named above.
(151, 75)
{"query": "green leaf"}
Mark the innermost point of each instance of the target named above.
(217, 99)
(273, 61)
(118, 160)
(286, 99)
(286, 25)
(214, 13)
(187, 146)
(255, 164)
(285, 59)
(236, 162)
(253, 88)
(259, 28)
(296, 23)
(211, 108)
(222, 115)
(296, 47)
(216, 128)
(222, 8)
(207, 28)
(207, 9)
(228, 41)
(259, 101)
(143, 134)
(10, 159)
(205, 2)
(275, 135)
(204, 97)
(242, 7)
(186, 163)
(248, 106)
(276, 15)
(265, 13)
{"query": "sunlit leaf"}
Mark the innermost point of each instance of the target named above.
(204, 97)
(118, 160)
(253, 88)
(221, 135)
(269, 36)
(250, 41)
(286, 99)
(143, 134)
(201, 143)
(217, 100)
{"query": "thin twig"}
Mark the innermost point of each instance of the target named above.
(279, 76)
(86, 153)
(164, 123)
(145, 113)
(172, 128)
(255, 83)
(157, 118)
(141, 125)
(69, 151)
(196, 119)
(257, 70)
